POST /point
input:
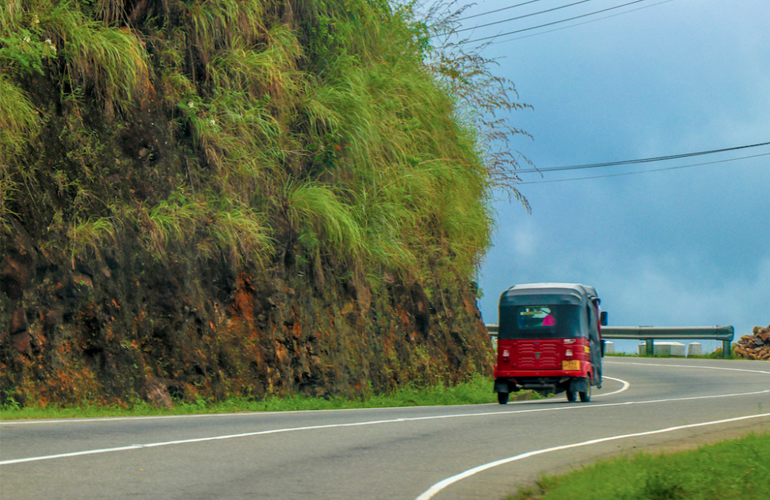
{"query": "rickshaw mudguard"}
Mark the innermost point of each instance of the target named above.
(579, 384)
(501, 385)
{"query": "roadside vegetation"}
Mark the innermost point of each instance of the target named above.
(476, 391)
(332, 127)
(736, 469)
(346, 126)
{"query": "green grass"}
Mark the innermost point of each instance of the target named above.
(345, 126)
(476, 391)
(736, 469)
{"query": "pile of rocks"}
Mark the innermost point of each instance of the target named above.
(755, 346)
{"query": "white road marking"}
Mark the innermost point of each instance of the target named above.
(693, 366)
(625, 387)
(372, 422)
(243, 414)
(77, 420)
(451, 480)
(436, 488)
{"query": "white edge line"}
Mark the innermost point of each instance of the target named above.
(693, 367)
(625, 387)
(76, 420)
(194, 440)
(436, 488)
(359, 424)
(239, 414)
(275, 431)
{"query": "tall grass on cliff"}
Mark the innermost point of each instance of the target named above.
(390, 135)
(337, 101)
(18, 120)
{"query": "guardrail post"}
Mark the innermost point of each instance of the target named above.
(650, 347)
(726, 346)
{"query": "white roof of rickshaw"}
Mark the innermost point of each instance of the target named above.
(552, 289)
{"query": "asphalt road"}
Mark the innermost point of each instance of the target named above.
(454, 452)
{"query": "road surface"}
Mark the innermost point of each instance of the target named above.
(454, 452)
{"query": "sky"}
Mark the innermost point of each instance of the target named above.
(682, 247)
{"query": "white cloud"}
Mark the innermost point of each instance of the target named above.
(522, 239)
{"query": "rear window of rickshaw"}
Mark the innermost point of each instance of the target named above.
(540, 321)
(536, 317)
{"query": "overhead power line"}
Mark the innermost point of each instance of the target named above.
(524, 16)
(552, 23)
(498, 10)
(580, 24)
(643, 171)
(640, 160)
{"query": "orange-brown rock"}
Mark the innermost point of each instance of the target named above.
(756, 346)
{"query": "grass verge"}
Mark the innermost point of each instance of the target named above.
(736, 469)
(476, 391)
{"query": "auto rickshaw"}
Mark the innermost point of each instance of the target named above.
(549, 340)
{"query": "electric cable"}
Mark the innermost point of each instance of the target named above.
(522, 17)
(497, 10)
(643, 171)
(579, 24)
(640, 160)
(551, 23)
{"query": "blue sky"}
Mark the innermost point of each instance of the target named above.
(687, 247)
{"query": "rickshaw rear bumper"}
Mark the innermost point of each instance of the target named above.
(543, 381)
(534, 374)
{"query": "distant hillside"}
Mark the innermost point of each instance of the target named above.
(206, 198)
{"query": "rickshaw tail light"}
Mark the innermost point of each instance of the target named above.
(506, 354)
(568, 353)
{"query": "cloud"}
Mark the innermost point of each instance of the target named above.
(522, 239)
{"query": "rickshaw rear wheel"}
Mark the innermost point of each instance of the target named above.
(571, 395)
(585, 396)
(502, 398)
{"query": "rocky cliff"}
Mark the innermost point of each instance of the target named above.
(215, 198)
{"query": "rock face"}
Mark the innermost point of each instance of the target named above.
(161, 332)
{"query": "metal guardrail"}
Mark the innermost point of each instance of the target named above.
(492, 330)
(652, 333)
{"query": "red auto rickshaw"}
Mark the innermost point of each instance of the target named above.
(549, 340)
